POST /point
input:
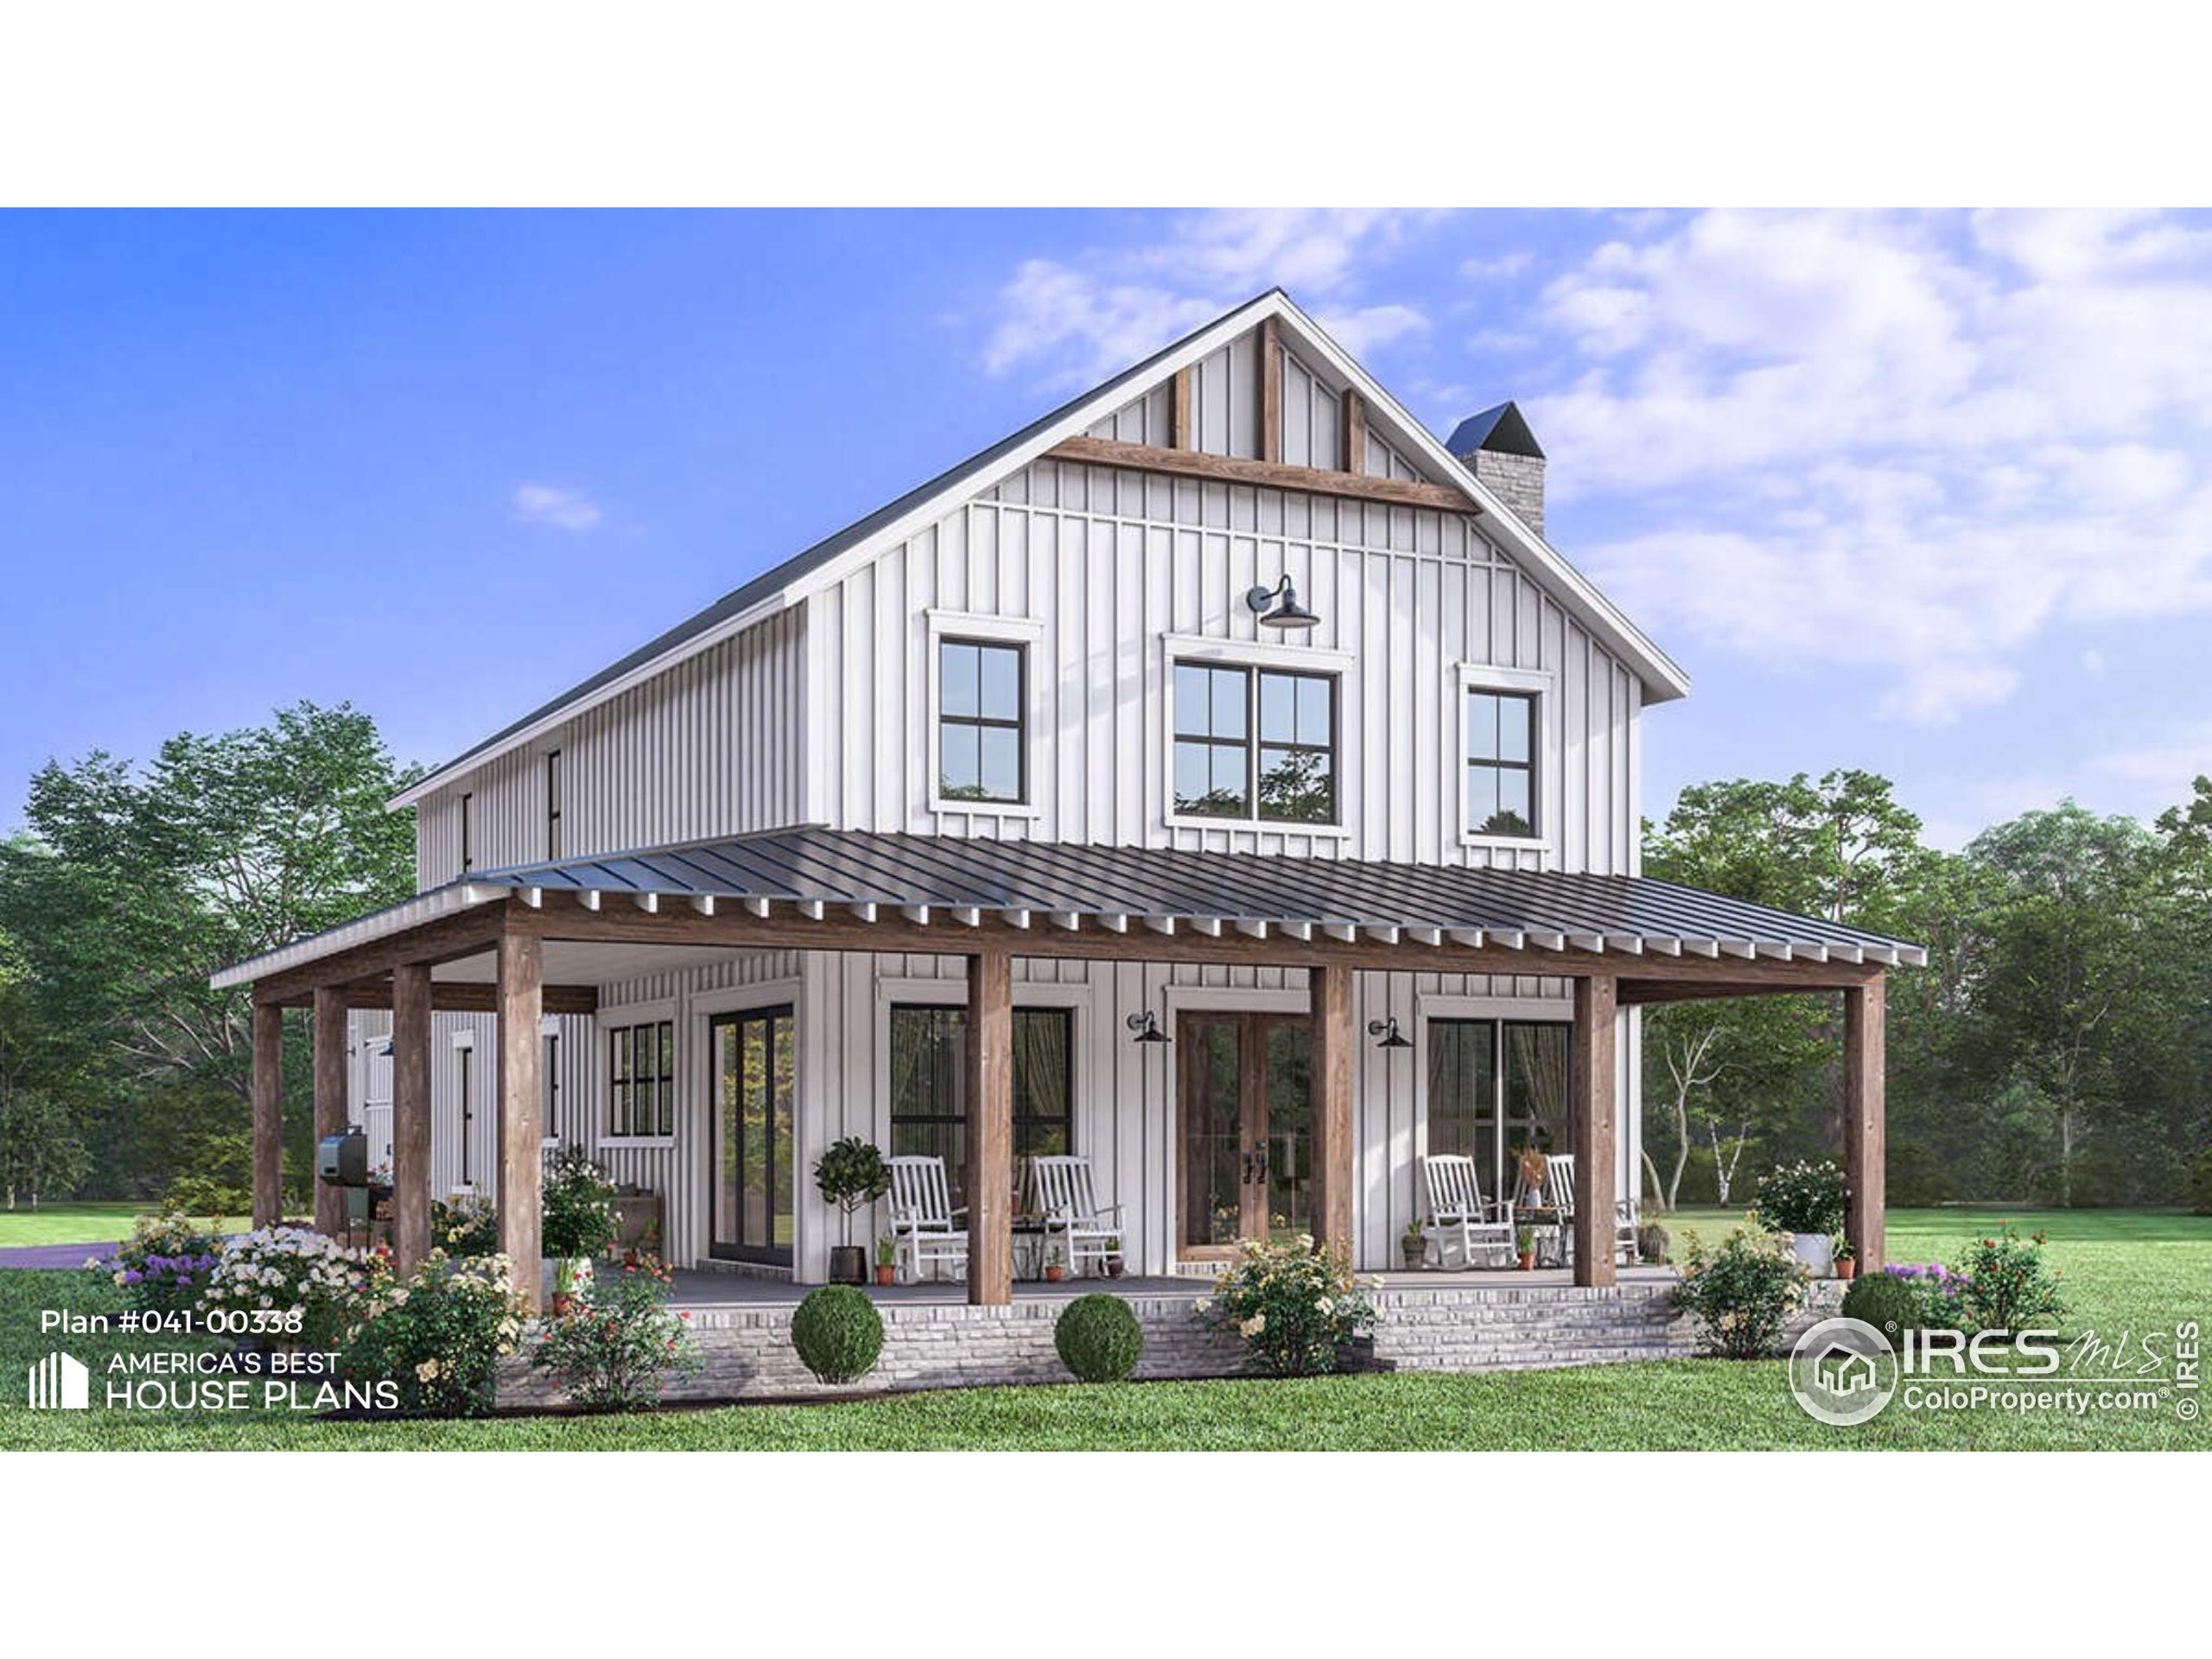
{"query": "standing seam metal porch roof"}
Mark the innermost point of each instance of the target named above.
(845, 868)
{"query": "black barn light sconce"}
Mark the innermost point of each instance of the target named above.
(1278, 607)
(1389, 1031)
(1146, 1027)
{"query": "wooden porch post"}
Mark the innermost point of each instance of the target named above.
(1864, 1158)
(522, 1154)
(330, 1112)
(990, 1129)
(1329, 997)
(268, 1113)
(411, 1115)
(1594, 1082)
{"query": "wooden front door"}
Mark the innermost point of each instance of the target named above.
(1244, 1118)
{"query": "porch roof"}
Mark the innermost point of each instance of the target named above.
(1046, 884)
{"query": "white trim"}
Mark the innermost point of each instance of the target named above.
(1235, 999)
(362, 930)
(1548, 752)
(463, 1039)
(1026, 632)
(1265, 653)
(736, 998)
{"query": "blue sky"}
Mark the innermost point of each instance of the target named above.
(1929, 494)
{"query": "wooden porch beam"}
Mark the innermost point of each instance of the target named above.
(1329, 995)
(330, 1103)
(1636, 992)
(465, 996)
(410, 1115)
(1273, 474)
(521, 1155)
(268, 1113)
(1865, 1134)
(990, 1129)
(1353, 428)
(1179, 411)
(1595, 1083)
(467, 933)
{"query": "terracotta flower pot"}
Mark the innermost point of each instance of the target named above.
(1053, 1276)
(887, 1273)
(1528, 1260)
(563, 1303)
(1845, 1269)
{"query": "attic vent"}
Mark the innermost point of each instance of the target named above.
(1506, 456)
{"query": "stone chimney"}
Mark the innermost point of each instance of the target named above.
(1505, 456)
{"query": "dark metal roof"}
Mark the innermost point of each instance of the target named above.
(1502, 431)
(1514, 908)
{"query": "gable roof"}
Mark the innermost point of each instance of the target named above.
(827, 561)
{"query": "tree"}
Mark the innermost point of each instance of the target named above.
(134, 884)
(40, 1151)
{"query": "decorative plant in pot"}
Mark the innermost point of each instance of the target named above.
(1845, 1258)
(1054, 1271)
(1530, 1165)
(1524, 1249)
(851, 1174)
(577, 1223)
(1115, 1266)
(1805, 1200)
(886, 1260)
(1413, 1245)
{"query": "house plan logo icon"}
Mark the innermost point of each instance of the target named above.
(60, 1382)
(1843, 1371)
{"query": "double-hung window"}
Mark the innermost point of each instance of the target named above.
(1255, 743)
(641, 1080)
(983, 754)
(1502, 791)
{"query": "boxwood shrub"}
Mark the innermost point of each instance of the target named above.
(838, 1333)
(1891, 1305)
(1099, 1338)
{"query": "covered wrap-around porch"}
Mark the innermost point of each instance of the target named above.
(518, 945)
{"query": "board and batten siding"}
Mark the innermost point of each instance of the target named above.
(710, 747)
(1108, 563)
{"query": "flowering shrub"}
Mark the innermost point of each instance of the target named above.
(439, 1337)
(578, 1206)
(1802, 1198)
(2007, 1286)
(165, 1262)
(614, 1350)
(286, 1267)
(465, 1225)
(1742, 1294)
(1292, 1304)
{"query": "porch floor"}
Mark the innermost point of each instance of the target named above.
(698, 1287)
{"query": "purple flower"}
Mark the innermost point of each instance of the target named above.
(131, 1275)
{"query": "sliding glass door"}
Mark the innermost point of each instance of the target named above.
(751, 1176)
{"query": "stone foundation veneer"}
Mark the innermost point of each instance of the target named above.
(1454, 1326)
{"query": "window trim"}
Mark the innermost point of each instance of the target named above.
(622, 1022)
(1254, 659)
(1468, 678)
(941, 627)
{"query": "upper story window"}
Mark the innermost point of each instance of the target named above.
(1255, 743)
(468, 835)
(553, 804)
(1502, 746)
(983, 748)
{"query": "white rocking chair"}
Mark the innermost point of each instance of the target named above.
(1459, 1215)
(1559, 1193)
(922, 1217)
(1061, 1192)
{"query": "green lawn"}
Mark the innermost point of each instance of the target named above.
(2134, 1269)
(79, 1224)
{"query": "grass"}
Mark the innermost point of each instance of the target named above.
(2136, 1269)
(99, 1223)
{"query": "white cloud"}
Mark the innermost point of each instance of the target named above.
(1494, 265)
(1908, 444)
(541, 504)
(1079, 321)
(2166, 769)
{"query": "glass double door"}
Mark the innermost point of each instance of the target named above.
(1244, 1130)
(750, 1180)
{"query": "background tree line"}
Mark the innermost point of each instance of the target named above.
(2056, 1048)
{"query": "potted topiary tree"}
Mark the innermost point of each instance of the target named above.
(850, 1173)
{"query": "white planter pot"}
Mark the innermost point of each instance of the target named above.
(1816, 1251)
